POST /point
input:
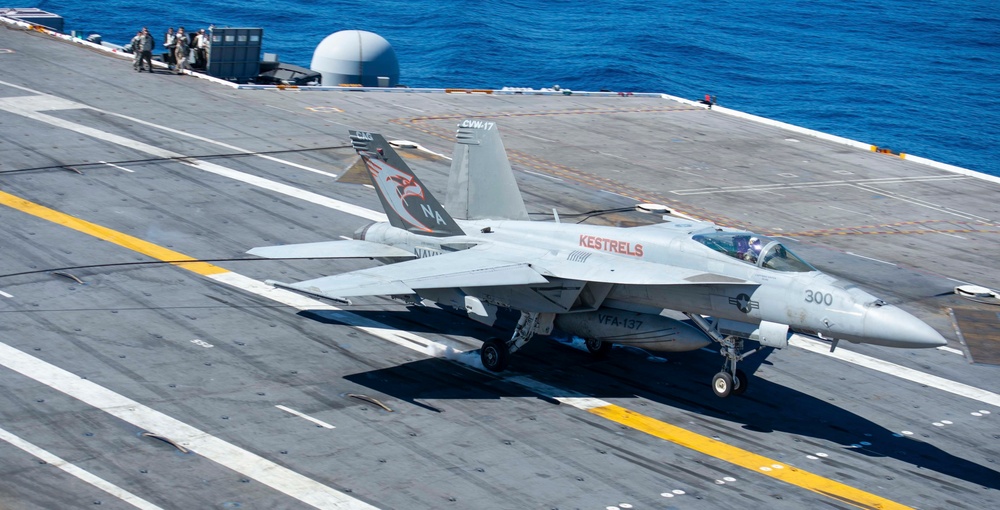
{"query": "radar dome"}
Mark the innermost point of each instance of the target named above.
(356, 57)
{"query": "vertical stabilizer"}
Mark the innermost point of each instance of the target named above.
(481, 184)
(407, 203)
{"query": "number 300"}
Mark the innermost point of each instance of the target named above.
(820, 298)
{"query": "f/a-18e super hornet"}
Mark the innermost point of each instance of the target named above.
(480, 252)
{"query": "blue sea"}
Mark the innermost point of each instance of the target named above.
(920, 77)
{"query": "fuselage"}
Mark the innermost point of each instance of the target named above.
(770, 285)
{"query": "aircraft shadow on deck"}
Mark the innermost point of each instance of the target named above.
(420, 319)
(679, 380)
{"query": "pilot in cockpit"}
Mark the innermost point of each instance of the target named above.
(742, 245)
(753, 250)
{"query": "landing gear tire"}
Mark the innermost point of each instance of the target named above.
(597, 347)
(722, 384)
(741, 383)
(494, 355)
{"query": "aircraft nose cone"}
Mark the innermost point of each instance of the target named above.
(892, 327)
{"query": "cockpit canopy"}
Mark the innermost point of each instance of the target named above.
(754, 249)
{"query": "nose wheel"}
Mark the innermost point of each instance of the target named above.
(725, 384)
(722, 384)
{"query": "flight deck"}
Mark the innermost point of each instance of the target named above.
(144, 363)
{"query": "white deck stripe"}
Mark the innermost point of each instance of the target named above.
(986, 397)
(813, 184)
(568, 397)
(215, 142)
(945, 348)
(112, 165)
(304, 416)
(78, 472)
(233, 457)
(869, 258)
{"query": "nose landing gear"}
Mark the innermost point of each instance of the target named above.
(730, 380)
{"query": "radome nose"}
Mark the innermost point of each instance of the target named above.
(892, 327)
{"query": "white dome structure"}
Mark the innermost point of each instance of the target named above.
(356, 57)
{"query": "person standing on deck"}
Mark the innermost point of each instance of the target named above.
(169, 41)
(133, 46)
(145, 50)
(181, 48)
(201, 48)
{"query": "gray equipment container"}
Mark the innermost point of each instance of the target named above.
(234, 53)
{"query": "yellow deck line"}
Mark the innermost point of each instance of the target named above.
(743, 458)
(112, 236)
(738, 456)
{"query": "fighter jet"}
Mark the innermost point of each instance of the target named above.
(608, 285)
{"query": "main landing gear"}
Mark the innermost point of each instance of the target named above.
(730, 380)
(597, 347)
(495, 353)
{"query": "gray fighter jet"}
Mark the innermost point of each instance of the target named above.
(607, 285)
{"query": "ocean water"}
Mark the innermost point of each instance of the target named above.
(917, 77)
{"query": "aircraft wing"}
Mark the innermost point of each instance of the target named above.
(468, 268)
(599, 267)
(346, 249)
(489, 268)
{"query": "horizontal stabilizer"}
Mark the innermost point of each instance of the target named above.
(353, 287)
(346, 249)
